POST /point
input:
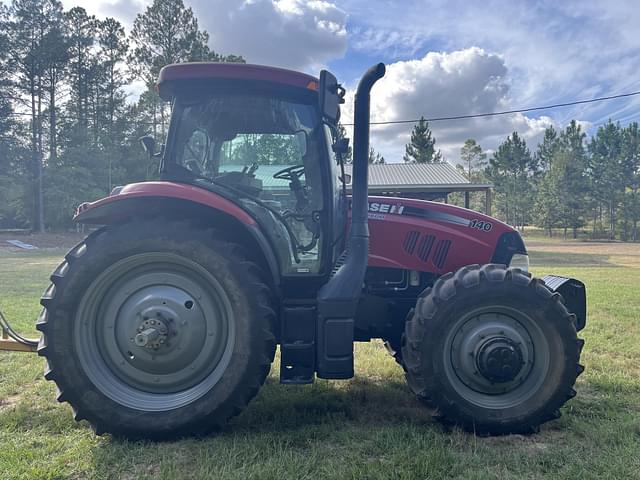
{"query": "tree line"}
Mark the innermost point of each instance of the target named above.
(67, 131)
(570, 182)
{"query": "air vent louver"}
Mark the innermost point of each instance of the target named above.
(424, 250)
(440, 255)
(410, 242)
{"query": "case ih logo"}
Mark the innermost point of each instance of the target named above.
(385, 208)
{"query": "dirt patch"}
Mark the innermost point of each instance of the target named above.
(581, 253)
(567, 246)
(151, 471)
(546, 439)
(10, 401)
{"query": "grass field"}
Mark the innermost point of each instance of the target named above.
(370, 427)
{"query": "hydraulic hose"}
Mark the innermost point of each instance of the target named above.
(15, 335)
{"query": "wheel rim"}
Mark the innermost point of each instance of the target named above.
(155, 331)
(496, 357)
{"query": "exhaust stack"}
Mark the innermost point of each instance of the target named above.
(338, 298)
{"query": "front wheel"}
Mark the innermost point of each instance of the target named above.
(493, 350)
(156, 330)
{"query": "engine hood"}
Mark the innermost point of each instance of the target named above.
(436, 237)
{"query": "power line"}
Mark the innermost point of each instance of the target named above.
(506, 112)
(434, 119)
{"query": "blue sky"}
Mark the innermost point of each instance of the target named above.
(444, 57)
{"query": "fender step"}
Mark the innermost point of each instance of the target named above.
(297, 345)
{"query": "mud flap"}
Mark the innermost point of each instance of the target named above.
(574, 293)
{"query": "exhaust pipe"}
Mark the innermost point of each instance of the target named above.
(360, 181)
(338, 298)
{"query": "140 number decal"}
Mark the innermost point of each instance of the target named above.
(481, 225)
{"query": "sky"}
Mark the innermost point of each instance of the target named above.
(444, 58)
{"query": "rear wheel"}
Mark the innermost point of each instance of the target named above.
(156, 330)
(493, 349)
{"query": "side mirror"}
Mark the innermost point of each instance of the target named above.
(346, 179)
(149, 145)
(301, 141)
(331, 95)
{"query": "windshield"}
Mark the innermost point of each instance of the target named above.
(265, 147)
(224, 133)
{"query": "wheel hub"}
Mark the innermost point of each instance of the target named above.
(152, 334)
(499, 359)
(491, 353)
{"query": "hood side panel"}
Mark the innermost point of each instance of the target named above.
(429, 236)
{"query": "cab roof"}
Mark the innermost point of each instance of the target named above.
(202, 71)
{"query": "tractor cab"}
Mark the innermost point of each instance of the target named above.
(260, 136)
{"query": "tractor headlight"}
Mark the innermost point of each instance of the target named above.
(520, 260)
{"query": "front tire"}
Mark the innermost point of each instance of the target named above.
(156, 330)
(493, 350)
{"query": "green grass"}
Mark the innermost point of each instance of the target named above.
(370, 427)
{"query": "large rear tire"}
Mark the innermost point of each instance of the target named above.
(156, 330)
(493, 350)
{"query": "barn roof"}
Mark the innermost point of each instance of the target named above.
(391, 177)
(419, 177)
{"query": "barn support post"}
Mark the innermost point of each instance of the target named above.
(487, 201)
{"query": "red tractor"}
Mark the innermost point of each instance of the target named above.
(164, 322)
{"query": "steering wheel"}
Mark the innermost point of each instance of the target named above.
(291, 173)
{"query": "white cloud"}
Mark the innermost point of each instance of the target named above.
(302, 35)
(443, 84)
(554, 50)
(388, 43)
(124, 11)
(298, 34)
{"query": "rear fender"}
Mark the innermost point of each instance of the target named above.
(574, 294)
(110, 209)
(179, 201)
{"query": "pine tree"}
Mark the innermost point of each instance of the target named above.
(607, 174)
(32, 22)
(511, 170)
(7, 89)
(14, 178)
(167, 32)
(81, 29)
(472, 155)
(422, 146)
(547, 209)
(630, 208)
(375, 158)
(113, 49)
(546, 149)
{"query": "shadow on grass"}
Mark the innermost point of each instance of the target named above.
(358, 402)
(289, 428)
(287, 409)
(276, 408)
